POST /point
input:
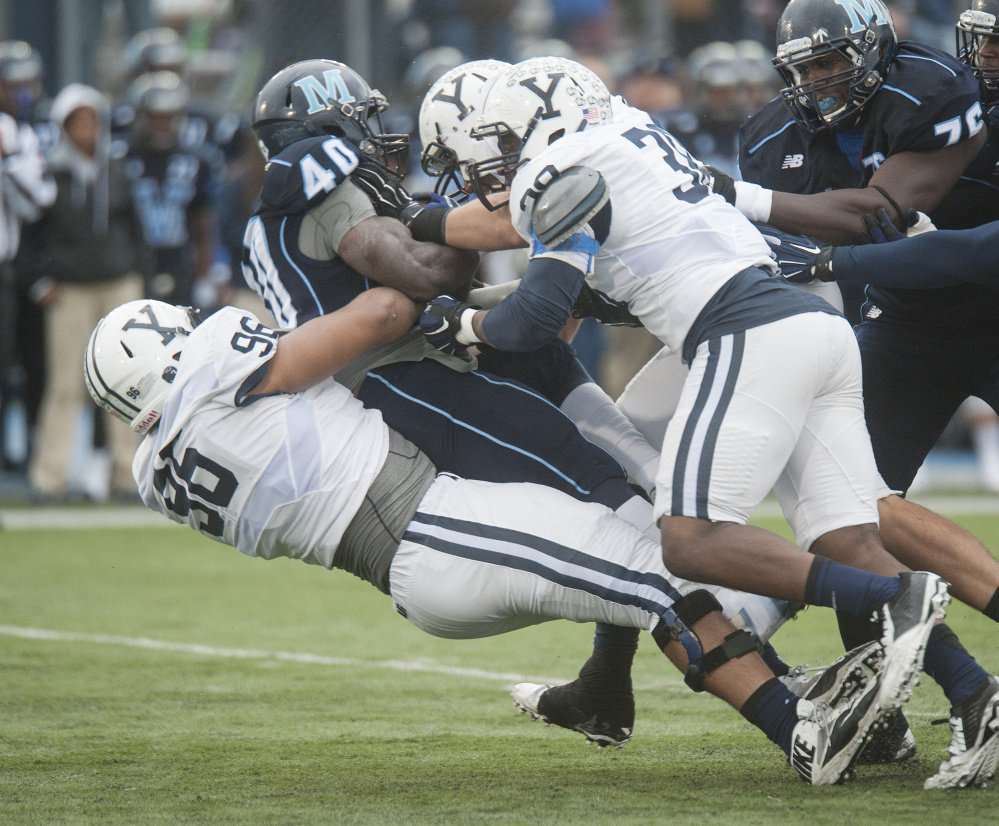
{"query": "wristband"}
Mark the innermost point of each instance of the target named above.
(753, 201)
(466, 335)
(428, 225)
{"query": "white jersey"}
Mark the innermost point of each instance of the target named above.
(672, 243)
(247, 472)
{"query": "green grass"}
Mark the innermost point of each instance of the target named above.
(101, 731)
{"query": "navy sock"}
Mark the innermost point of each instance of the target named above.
(773, 709)
(954, 669)
(773, 660)
(615, 638)
(992, 609)
(843, 588)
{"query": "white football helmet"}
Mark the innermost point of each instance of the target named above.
(527, 107)
(132, 357)
(449, 111)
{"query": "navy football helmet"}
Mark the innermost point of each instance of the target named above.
(325, 97)
(159, 100)
(859, 32)
(974, 27)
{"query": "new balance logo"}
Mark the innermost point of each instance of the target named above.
(803, 759)
(874, 312)
(793, 161)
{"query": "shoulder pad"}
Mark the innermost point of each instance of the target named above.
(301, 176)
(567, 203)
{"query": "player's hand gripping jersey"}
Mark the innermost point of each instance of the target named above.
(669, 262)
(307, 205)
(257, 482)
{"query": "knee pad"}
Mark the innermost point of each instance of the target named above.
(677, 625)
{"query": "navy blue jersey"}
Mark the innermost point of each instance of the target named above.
(929, 101)
(479, 425)
(169, 189)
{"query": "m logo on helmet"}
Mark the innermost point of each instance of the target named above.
(322, 95)
(864, 12)
(546, 95)
(168, 333)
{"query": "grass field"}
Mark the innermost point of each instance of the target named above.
(148, 675)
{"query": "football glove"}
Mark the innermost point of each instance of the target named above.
(721, 183)
(591, 304)
(882, 230)
(383, 188)
(822, 269)
(441, 324)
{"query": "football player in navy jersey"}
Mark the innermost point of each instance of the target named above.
(316, 242)
(864, 123)
(172, 187)
(923, 350)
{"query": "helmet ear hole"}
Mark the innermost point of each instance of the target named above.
(554, 136)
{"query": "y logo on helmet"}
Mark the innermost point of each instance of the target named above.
(168, 333)
(463, 110)
(321, 95)
(864, 12)
(546, 95)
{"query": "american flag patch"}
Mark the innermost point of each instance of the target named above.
(591, 114)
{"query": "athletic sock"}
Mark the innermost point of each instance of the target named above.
(992, 609)
(856, 631)
(616, 640)
(773, 709)
(953, 668)
(773, 660)
(843, 588)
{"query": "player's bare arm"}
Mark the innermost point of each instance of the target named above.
(913, 180)
(311, 353)
(383, 250)
(473, 227)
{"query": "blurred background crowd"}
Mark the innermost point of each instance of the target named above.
(141, 109)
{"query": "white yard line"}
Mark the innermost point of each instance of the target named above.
(304, 658)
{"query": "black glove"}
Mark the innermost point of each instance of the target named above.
(822, 269)
(441, 323)
(721, 183)
(383, 188)
(591, 304)
(882, 230)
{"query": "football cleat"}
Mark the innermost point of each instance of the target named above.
(906, 621)
(841, 707)
(602, 721)
(974, 741)
(890, 740)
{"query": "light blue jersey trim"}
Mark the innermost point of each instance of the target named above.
(479, 432)
(771, 137)
(284, 252)
(930, 59)
(904, 94)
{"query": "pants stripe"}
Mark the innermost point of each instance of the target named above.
(692, 472)
(562, 565)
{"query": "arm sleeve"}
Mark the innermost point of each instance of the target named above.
(934, 259)
(538, 309)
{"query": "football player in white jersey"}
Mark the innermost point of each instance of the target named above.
(773, 398)
(250, 441)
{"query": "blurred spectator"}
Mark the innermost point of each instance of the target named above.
(655, 86)
(25, 189)
(481, 29)
(586, 25)
(92, 245)
(173, 187)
